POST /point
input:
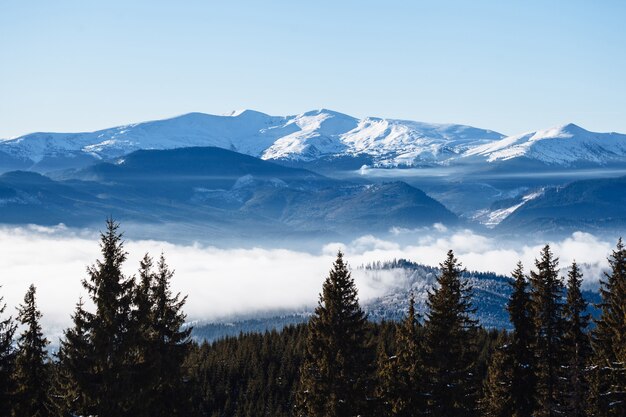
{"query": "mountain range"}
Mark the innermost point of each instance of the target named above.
(317, 172)
(317, 136)
(222, 193)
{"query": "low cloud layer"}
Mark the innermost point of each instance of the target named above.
(223, 282)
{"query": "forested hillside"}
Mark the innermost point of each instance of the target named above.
(129, 351)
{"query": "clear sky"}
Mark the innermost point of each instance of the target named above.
(510, 66)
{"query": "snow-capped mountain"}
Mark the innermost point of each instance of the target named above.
(388, 142)
(563, 145)
(304, 137)
(321, 138)
(248, 132)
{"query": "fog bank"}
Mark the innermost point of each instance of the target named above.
(224, 282)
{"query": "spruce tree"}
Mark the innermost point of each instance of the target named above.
(547, 308)
(7, 361)
(109, 334)
(31, 368)
(167, 343)
(333, 375)
(609, 340)
(577, 345)
(401, 378)
(523, 381)
(498, 394)
(450, 350)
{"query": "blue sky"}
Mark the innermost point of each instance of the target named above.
(510, 66)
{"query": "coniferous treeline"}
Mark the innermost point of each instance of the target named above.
(131, 353)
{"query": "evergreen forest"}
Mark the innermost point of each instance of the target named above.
(129, 351)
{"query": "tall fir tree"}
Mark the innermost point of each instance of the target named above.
(110, 363)
(7, 360)
(450, 349)
(166, 341)
(577, 345)
(334, 372)
(523, 381)
(401, 376)
(609, 340)
(32, 373)
(547, 307)
(498, 395)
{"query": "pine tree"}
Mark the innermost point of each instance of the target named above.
(498, 393)
(577, 345)
(547, 308)
(333, 377)
(7, 361)
(450, 351)
(108, 368)
(523, 381)
(609, 340)
(401, 379)
(167, 342)
(31, 369)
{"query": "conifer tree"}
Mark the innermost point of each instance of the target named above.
(7, 361)
(333, 377)
(498, 394)
(577, 345)
(450, 350)
(31, 369)
(523, 381)
(609, 340)
(401, 379)
(110, 363)
(547, 308)
(167, 343)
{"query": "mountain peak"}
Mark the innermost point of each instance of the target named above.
(560, 132)
(245, 113)
(573, 129)
(323, 111)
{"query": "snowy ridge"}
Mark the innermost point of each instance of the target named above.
(493, 218)
(563, 145)
(307, 136)
(247, 131)
(320, 134)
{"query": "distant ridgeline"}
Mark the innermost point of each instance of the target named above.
(490, 294)
(319, 173)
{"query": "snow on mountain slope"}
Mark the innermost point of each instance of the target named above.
(308, 136)
(491, 218)
(318, 135)
(389, 142)
(563, 145)
(247, 132)
(405, 143)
